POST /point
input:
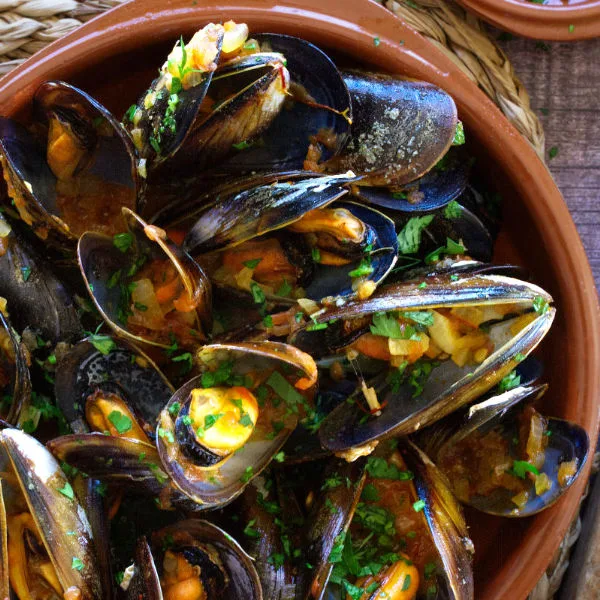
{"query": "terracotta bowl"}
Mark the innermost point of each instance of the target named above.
(115, 55)
(575, 20)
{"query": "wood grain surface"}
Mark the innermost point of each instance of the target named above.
(563, 80)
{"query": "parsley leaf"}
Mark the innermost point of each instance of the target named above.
(520, 469)
(409, 239)
(123, 241)
(388, 326)
(459, 135)
(452, 210)
(121, 422)
(379, 468)
(512, 380)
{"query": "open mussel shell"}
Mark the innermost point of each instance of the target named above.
(446, 524)
(110, 275)
(144, 122)
(249, 93)
(400, 129)
(438, 187)
(253, 212)
(88, 167)
(15, 384)
(278, 579)
(212, 478)
(448, 386)
(566, 442)
(124, 373)
(29, 283)
(226, 571)
(327, 526)
(60, 520)
(335, 281)
(319, 100)
(126, 463)
(460, 424)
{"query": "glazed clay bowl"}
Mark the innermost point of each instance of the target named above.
(114, 56)
(555, 20)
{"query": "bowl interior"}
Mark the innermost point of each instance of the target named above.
(131, 43)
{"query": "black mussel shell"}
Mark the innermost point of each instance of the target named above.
(437, 188)
(195, 473)
(38, 479)
(400, 129)
(106, 169)
(109, 272)
(29, 284)
(260, 210)
(566, 442)
(320, 103)
(448, 387)
(124, 371)
(15, 384)
(185, 115)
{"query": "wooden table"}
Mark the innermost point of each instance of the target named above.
(564, 83)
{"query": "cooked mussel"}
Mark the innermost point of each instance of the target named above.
(43, 303)
(146, 288)
(504, 458)
(213, 93)
(15, 384)
(430, 334)
(79, 177)
(220, 429)
(445, 182)
(48, 547)
(407, 538)
(301, 246)
(110, 388)
(315, 119)
(400, 129)
(192, 559)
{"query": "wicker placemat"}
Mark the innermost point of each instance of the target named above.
(26, 26)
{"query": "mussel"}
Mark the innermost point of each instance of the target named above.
(109, 388)
(431, 335)
(48, 547)
(145, 287)
(407, 537)
(504, 458)
(222, 428)
(302, 244)
(212, 93)
(79, 176)
(400, 129)
(192, 559)
(15, 383)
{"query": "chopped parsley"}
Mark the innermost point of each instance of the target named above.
(520, 469)
(364, 268)
(388, 325)
(123, 241)
(248, 474)
(67, 490)
(419, 505)
(77, 564)
(512, 380)
(252, 264)
(121, 422)
(452, 210)
(379, 468)
(25, 273)
(540, 305)
(409, 238)
(451, 248)
(459, 135)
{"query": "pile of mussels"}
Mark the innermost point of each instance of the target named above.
(260, 307)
